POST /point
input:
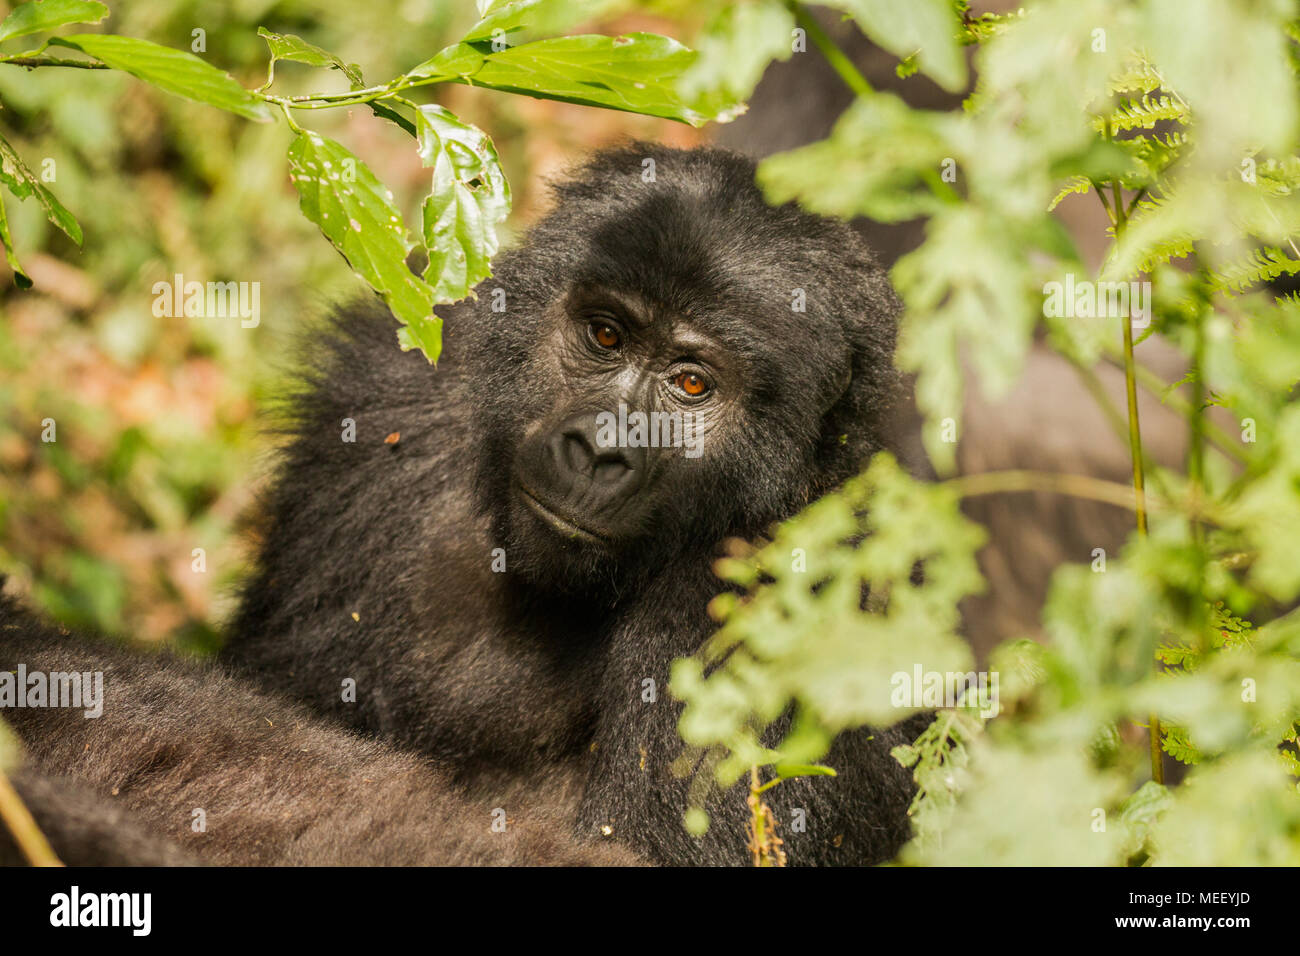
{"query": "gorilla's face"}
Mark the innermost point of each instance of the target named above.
(677, 362)
(639, 394)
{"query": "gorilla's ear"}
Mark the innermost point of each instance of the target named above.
(839, 386)
(859, 423)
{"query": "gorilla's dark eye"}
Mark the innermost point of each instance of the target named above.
(605, 335)
(692, 383)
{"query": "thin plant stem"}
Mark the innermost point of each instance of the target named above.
(32, 62)
(1119, 219)
(18, 819)
(840, 63)
(1019, 480)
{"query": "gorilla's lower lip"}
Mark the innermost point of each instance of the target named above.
(560, 523)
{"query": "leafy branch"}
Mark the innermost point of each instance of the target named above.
(469, 197)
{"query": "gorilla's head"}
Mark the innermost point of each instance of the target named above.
(668, 361)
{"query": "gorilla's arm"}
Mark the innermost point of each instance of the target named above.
(857, 817)
(84, 829)
(276, 785)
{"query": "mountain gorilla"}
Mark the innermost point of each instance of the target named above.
(461, 560)
(514, 581)
(189, 765)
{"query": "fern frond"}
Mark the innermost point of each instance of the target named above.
(986, 25)
(1136, 77)
(1279, 177)
(1177, 655)
(1261, 265)
(1176, 247)
(1151, 156)
(1227, 631)
(1177, 745)
(1142, 114)
(1077, 184)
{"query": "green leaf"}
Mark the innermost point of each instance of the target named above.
(175, 71)
(696, 821)
(356, 213)
(1261, 265)
(535, 18)
(787, 771)
(805, 638)
(22, 182)
(28, 18)
(287, 46)
(939, 758)
(1078, 184)
(926, 29)
(882, 160)
(1142, 114)
(1238, 811)
(1178, 745)
(1232, 68)
(737, 46)
(969, 286)
(1268, 513)
(1022, 808)
(637, 73)
(470, 199)
(21, 279)
(460, 61)
(1140, 813)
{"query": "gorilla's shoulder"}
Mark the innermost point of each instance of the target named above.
(348, 364)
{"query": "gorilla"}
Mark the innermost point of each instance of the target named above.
(189, 765)
(463, 561)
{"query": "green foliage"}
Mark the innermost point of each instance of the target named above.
(1182, 122)
(22, 183)
(355, 211)
(509, 50)
(175, 71)
(939, 759)
(794, 632)
(737, 45)
(1260, 266)
(637, 72)
(925, 30)
(469, 201)
(29, 18)
(286, 46)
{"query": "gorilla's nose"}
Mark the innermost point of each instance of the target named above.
(578, 449)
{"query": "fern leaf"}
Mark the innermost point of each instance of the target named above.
(1077, 184)
(1279, 177)
(1142, 114)
(1174, 248)
(1137, 77)
(1262, 265)
(1175, 743)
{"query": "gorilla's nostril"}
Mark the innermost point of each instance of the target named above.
(577, 454)
(610, 469)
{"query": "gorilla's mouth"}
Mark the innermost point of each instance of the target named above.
(558, 522)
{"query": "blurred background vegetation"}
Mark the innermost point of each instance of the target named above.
(162, 446)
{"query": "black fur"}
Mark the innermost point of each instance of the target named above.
(377, 561)
(278, 785)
